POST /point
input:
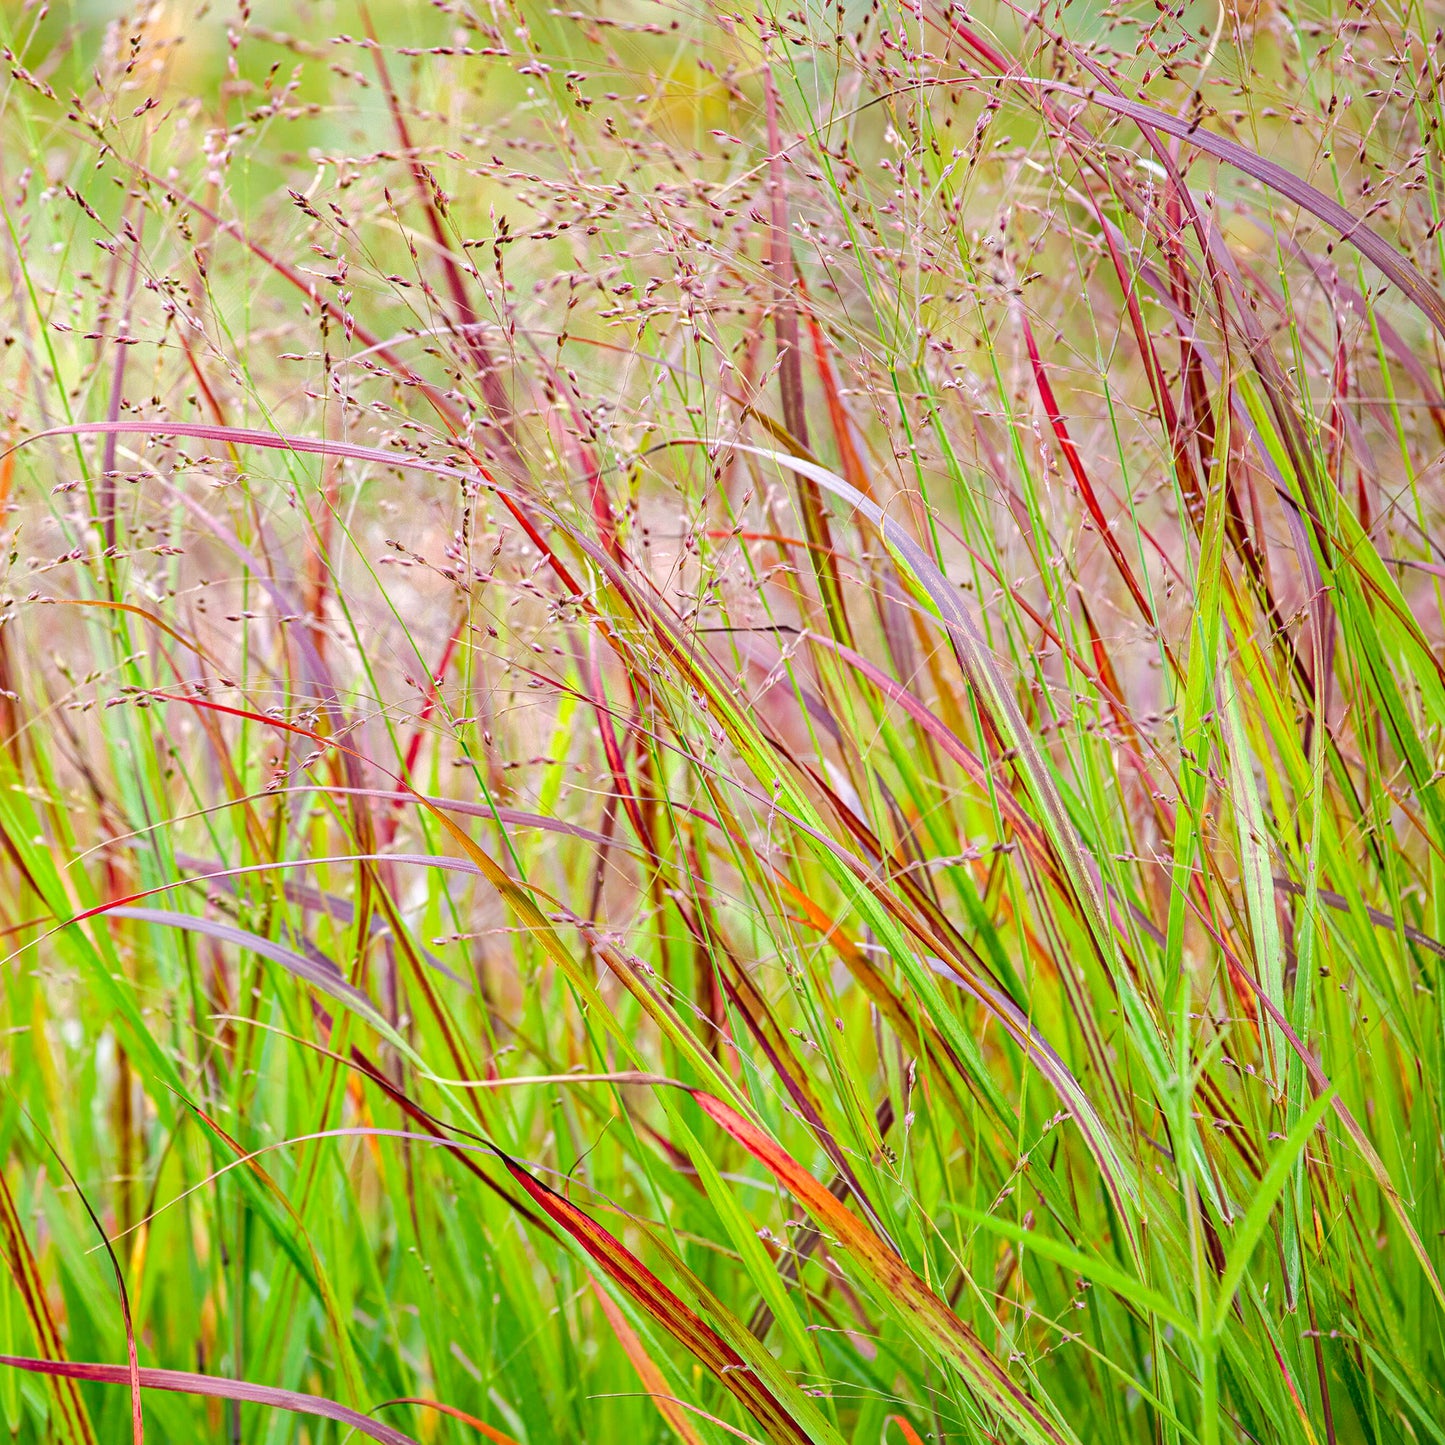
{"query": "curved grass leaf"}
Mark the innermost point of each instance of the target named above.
(216, 1387)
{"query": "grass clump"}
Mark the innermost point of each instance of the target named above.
(723, 724)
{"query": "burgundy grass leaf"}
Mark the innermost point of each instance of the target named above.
(1392, 262)
(304, 968)
(183, 1382)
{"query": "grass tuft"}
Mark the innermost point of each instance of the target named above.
(723, 725)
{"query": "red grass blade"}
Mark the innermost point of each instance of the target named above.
(490, 1431)
(1080, 472)
(652, 1378)
(70, 1418)
(853, 1239)
(687, 1327)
